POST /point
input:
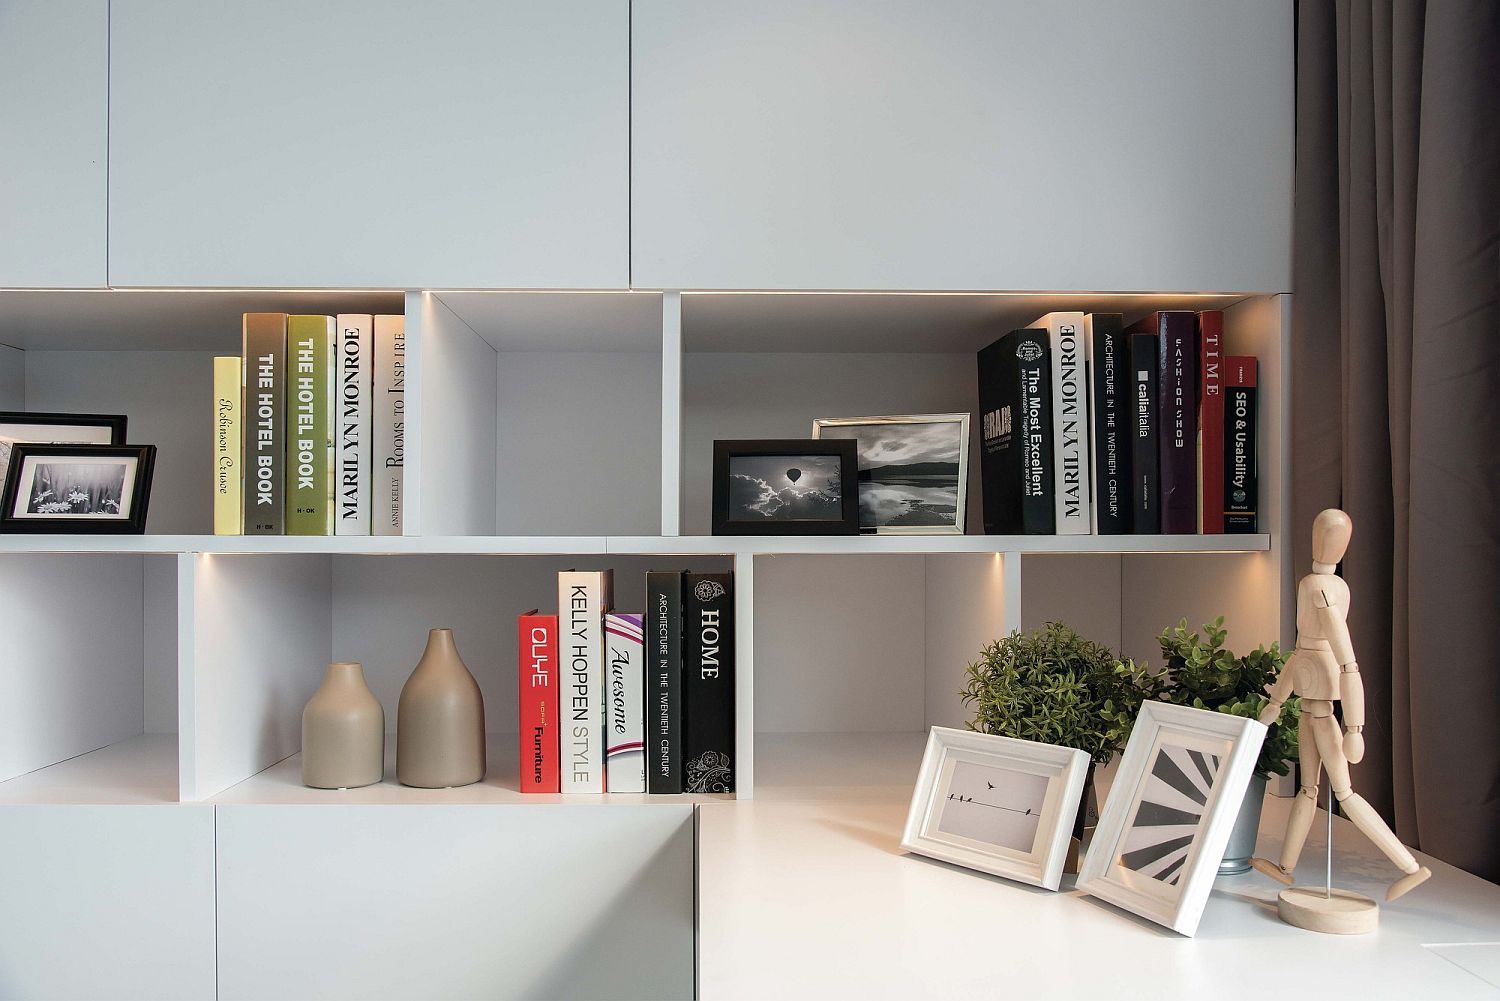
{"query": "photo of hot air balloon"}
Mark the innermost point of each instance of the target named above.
(785, 487)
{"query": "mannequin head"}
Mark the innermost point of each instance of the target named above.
(1331, 531)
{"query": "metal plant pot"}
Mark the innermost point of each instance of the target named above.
(1242, 839)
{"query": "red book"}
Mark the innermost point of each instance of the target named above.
(1211, 422)
(537, 661)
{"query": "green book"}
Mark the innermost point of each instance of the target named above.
(309, 425)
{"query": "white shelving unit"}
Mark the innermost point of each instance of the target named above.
(546, 430)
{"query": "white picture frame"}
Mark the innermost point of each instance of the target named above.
(1165, 824)
(930, 438)
(1043, 780)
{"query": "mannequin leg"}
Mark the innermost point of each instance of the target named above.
(1362, 813)
(1305, 807)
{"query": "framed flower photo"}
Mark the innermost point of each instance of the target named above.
(913, 471)
(1162, 832)
(996, 804)
(77, 489)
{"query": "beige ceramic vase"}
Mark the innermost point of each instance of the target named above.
(343, 732)
(440, 721)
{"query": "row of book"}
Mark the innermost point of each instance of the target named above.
(1092, 427)
(614, 701)
(310, 426)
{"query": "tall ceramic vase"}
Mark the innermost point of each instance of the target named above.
(440, 721)
(343, 732)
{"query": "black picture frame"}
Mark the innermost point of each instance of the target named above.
(134, 523)
(113, 423)
(842, 449)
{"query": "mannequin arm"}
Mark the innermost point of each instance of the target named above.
(1351, 687)
(1280, 689)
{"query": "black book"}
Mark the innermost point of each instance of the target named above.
(708, 682)
(1110, 422)
(1016, 463)
(663, 696)
(1241, 487)
(1145, 476)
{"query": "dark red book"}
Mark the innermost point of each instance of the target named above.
(1177, 405)
(537, 661)
(1211, 422)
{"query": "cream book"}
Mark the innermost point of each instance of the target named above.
(351, 507)
(228, 389)
(388, 431)
(1070, 426)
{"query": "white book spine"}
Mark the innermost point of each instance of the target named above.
(625, 727)
(353, 386)
(388, 430)
(1091, 455)
(582, 599)
(1070, 443)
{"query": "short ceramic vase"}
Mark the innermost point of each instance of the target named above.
(343, 732)
(440, 720)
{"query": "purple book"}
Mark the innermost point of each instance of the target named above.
(1177, 394)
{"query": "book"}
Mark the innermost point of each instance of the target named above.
(1241, 486)
(663, 682)
(388, 425)
(355, 384)
(309, 425)
(229, 387)
(583, 596)
(708, 682)
(1109, 422)
(537, 715)
(1015, 404)
(625, 721)
(1070, 429)
(264, 488)
(1211, 421)
(1145, 514)
(1177, 416)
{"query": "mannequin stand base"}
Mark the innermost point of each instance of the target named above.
(1344, 913)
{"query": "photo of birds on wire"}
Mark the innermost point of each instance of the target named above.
(992, 805)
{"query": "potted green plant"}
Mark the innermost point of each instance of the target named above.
(1200, 672)
(1056, 687)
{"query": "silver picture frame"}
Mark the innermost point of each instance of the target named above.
(900, 495)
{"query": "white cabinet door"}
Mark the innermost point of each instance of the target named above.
(54, 121)
(456, 901)
(963, 144)
(369, 144)
(107, 901)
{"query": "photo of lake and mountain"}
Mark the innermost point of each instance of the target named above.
(912, 471)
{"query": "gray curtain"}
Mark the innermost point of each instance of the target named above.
(1396, 389)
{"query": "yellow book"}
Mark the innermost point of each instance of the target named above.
(228, 387)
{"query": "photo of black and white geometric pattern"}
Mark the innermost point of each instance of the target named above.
(1166, 821)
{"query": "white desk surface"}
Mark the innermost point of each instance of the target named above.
(805, 892)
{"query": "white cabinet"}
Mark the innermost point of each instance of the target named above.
(54, 120)
(107, 901)
(1073, 145)
(385, 144)
(455, 902)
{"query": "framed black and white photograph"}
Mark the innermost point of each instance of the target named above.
(57, 429)
(785, 486)
(1162, 832)
(996, 804)
(913, 471)
(77, 488)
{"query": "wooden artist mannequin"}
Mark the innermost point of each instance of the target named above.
(1322, 670)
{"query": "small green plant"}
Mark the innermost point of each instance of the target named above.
(1203, 674)
(1054, 686)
